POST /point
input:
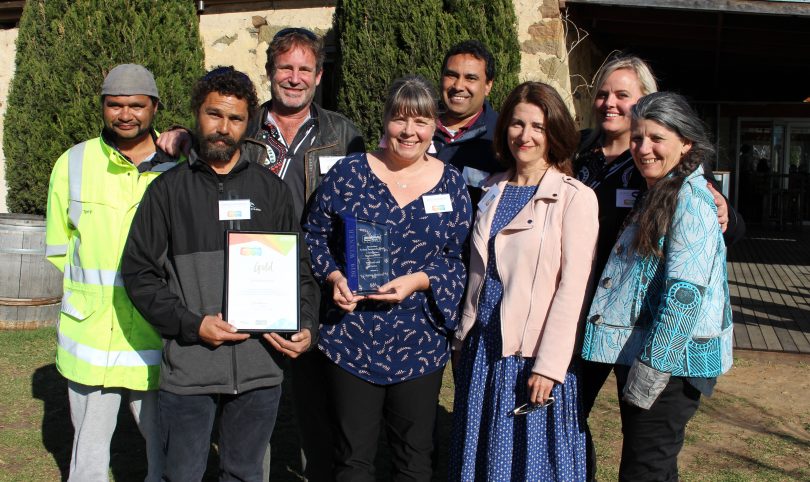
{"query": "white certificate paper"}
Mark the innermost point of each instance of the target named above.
(262, 281)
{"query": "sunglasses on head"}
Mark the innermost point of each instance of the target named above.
(295, 30)
(527, 408)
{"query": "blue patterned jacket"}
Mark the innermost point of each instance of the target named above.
(671, 313)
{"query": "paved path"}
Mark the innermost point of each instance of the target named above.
(769, 283)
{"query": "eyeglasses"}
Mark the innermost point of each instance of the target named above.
(527, 408)
(295, 30)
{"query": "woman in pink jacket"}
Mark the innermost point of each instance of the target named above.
(515, 413)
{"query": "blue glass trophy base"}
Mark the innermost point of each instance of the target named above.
(367, 255)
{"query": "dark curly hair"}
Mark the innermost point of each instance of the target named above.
(674, 113)
(561, 132)
(224, 81)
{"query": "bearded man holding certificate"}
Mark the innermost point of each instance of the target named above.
(219, 236)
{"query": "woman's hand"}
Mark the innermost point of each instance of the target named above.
(400, 288)
(722, 208)
(539, 388)
(341, 294)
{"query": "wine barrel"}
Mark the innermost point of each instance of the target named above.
(30, 286)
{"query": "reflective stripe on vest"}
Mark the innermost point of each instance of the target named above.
(75, 163)
(100, 277)
(76, 245)
(69, 309)
(56, 249)
(103, 358)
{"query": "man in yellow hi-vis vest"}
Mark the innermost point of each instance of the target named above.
(106, 349)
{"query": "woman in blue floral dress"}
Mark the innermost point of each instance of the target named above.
(532, 253)
(388, 349)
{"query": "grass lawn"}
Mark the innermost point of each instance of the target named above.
(755, 428)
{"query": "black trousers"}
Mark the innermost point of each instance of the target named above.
(592, 378)
(652, 438)
(408, 410)
(315, 413)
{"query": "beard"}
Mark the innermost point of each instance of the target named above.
(290, 103)
(210, 152)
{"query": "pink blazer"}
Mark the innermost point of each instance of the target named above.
(545, 257)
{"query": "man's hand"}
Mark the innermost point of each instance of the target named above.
(400, 288)
(297, 344)
(215, 331)
(175, 142)
(341, 294)
(722, 208)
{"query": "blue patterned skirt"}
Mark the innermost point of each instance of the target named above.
(488, 443)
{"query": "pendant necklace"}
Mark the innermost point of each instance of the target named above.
(404, 185)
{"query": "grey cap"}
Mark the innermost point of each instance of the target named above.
(130, 79)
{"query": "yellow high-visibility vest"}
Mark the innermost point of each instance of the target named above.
(102, 339)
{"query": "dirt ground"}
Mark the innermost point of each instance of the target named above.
(756, 426)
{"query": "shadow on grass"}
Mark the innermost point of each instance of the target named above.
(127, 449)
(128, 453)
(57, 431)
(763, 469)
(752, 416)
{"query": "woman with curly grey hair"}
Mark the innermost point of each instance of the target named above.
(661, 314)
(605, 164)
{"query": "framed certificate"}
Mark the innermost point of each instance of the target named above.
(262, 282)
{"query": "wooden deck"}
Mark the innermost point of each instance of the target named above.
(769, 283)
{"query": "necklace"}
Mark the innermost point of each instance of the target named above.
(406, 182)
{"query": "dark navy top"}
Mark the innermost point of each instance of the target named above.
(386, 343)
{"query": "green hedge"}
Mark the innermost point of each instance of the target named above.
(64, 50)
(380, 40)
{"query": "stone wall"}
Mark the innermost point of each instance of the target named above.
(555, 51)
(8, 50)
(241, 39)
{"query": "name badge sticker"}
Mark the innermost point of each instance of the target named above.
(437, 203)
(625, 198)
(474, 177)
(234, 209)
(488, 198)
(326, 162)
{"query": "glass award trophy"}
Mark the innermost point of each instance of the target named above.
(367, 255)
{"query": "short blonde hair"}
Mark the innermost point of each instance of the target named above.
(646, 80)
(643, 71)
